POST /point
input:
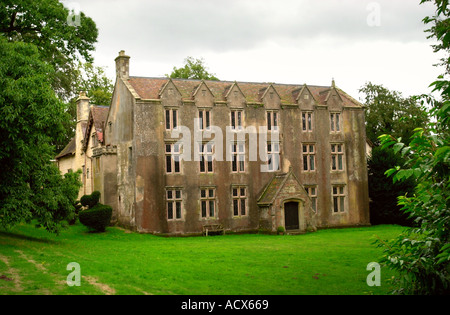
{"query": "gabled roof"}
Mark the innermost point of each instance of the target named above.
(150, 88)
(274, 187)
(97, 119)
(68, 150)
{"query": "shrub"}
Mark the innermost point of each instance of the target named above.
(96, 218)
(280, 230)
(91, 200)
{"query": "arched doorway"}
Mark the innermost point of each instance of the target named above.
(291, 218)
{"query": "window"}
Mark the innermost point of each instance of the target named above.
(335, 119)
(309, 156)
(173, 158)
(307, 124)
(204, 119)
(239, 201)
(312, 193)
(174, 203)
(238, 157)
(171, 119)
(338, 199)
(206, 157)
(272, 121)
(208, 202)
(337, 157)
(273, 156)
(236, 120)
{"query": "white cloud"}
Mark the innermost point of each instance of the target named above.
(287, 41)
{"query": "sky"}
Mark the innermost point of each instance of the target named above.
(279, 41)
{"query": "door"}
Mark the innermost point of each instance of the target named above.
(291, 216)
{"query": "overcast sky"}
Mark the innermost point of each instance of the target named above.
(281, 41)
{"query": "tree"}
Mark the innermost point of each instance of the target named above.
(193, 69)
(389, 112)
(98, 88)
(61, 44)
(31, 117)
(422, 255)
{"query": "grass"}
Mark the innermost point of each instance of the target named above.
(333, 261)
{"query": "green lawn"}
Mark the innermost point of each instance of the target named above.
(334, 261)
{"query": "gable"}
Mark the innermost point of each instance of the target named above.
(170, 95)
(305, 99)
(203, 96)
(284, 186)
(235, 97)
(270, 97)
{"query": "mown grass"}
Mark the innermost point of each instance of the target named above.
(334, 261)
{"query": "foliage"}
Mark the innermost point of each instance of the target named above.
(422, 255)
(45, 24)
(193, 69)
(389, 112)
(91, 200)
(383, 193)
(31, 116)
(97, 218)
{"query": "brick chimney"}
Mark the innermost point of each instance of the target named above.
(122, 65)
(82, 107)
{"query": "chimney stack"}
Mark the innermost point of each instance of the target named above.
(122, 65)
(82, 107)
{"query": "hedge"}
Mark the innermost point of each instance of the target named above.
(97, 218)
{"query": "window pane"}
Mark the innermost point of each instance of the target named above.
(309, 122)
(311, 162)
(275, 120)
(333, 148)
(235, 192)
(202, 163)
(332, 122)
(234, 163)
(241, 163)
(334, 190)
(303, 121)
(341, 190)
(167, 119)
(177, 164)
(211, 193)
(342, 204)
(203, 209)
(233, 120)
(269, 121)
(333, 162)
(178, 194)
(311, 148)
(242, 192)
(202, 193)
(170, 210)
(211, 208)
(178, 205)
(305, 149)
(338, 127)
(174, 119)
(200, 116)
(239, 120)
(340, 167)
(241, 148)
(235, 207)
(335, 203)
(169, 194)
(243, 207)
(169, 164)
(210, 164)
(168, 148)
(207, 119)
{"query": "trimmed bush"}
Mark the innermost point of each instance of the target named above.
(96, 218)
(91, 200)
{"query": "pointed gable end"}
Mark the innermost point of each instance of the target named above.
(235, 97)
(203, 96)
(270, 97)
(170, 95)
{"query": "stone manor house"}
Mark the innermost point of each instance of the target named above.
(173, 155)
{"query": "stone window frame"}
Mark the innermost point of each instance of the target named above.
(272, 120)
(208, 163)
(236, 122)
(238, 156)
(206, 201)
(172, 124)
(312, 191)
(175, 158)
(272, 153)
(338, 198)
(310, 167)
(307, 120)
(174, 203)
(204, 119)
(239, 201)
(337, 157)
(335, 122)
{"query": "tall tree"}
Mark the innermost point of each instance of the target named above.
(46, 24)
(389, 112)
(193, 69)
(422, 255)
(31, 117)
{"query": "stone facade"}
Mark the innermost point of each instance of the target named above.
(178, 154)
